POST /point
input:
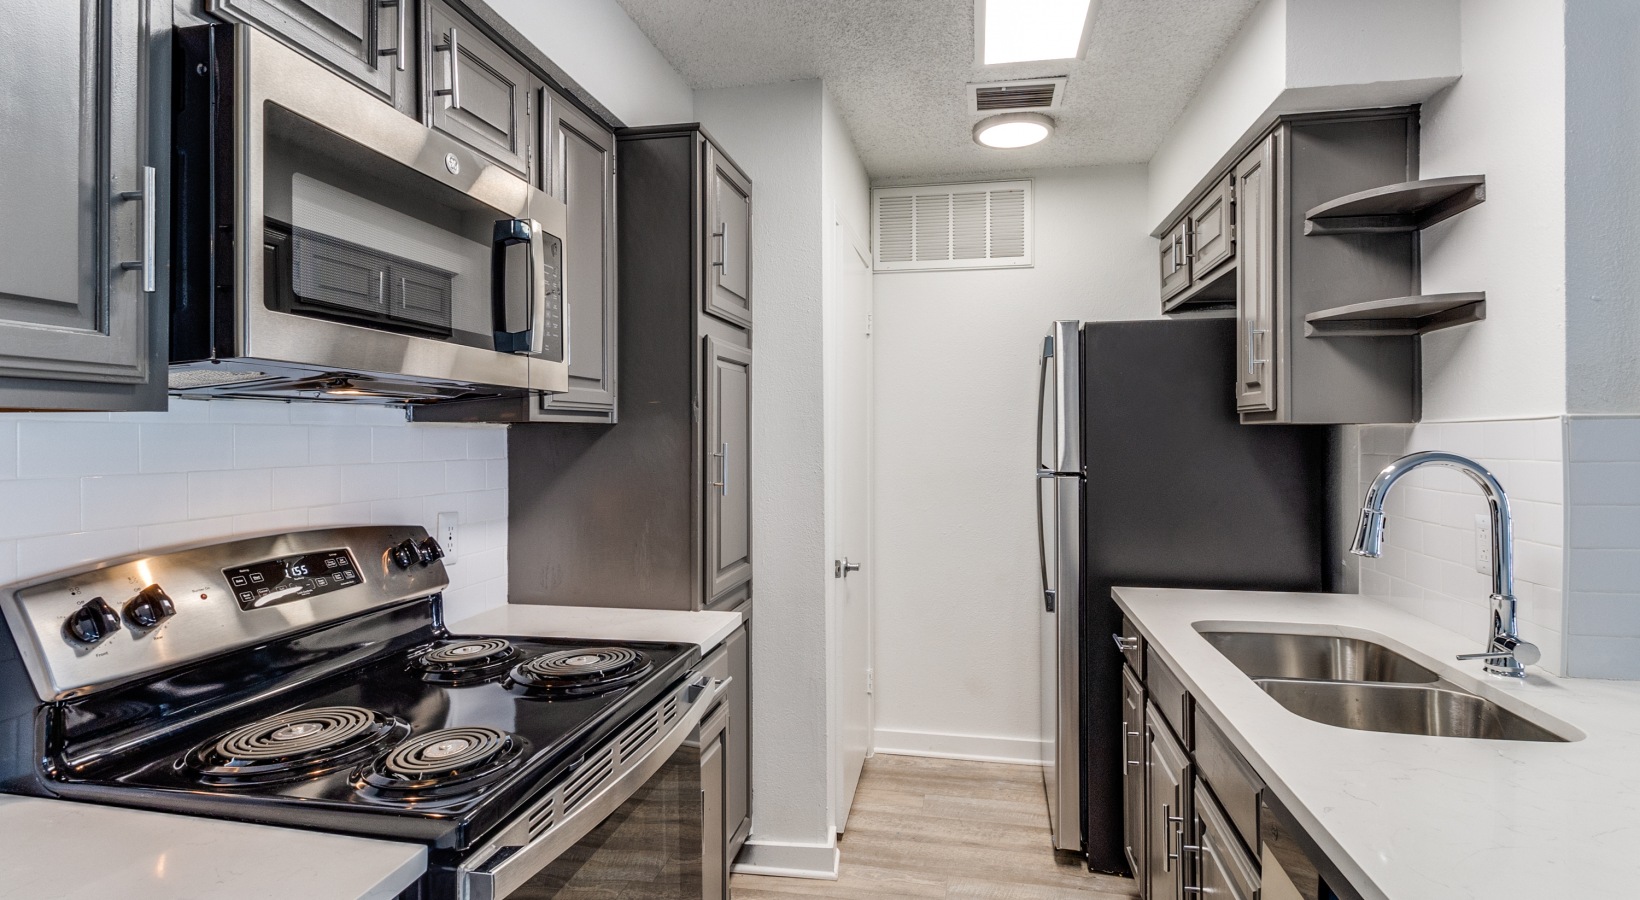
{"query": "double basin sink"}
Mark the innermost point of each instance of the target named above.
(1354, 683)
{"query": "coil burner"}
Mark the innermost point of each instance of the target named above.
(467, 661)
(580, 673)
(446, 762)
(299, 744)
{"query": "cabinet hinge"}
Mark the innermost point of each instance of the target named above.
(871, 681)
(868, 324)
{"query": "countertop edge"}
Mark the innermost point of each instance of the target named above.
(707, 629)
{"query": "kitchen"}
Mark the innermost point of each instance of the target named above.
(1398, 221)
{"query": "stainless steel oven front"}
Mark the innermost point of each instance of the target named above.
(331, 247)
(640, 816)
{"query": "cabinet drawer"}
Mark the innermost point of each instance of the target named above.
(1133, 647)
(1231, 779)
(1167, 692)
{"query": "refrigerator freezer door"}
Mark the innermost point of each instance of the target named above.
(1059, 405)
(1059, 500)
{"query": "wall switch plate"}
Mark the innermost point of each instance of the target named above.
(448, 528)
(1483, 544)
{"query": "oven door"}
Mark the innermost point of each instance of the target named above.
(363, 241)
(639, 817)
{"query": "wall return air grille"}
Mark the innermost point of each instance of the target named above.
(952, 226)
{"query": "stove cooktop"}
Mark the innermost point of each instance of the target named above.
(438, 742)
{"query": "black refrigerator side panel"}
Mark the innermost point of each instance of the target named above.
(1178, 494)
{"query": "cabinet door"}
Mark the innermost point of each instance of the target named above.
(1133, 773)
(728, 240)
(83, 200)
(477, 92)
(1257, 339)
(1168, 793)
(1212, 235)
(371, 42)
(1223, 869)
(738, 795)
(581, 172)
(728, 414)
(714, 778)
(1175, 263)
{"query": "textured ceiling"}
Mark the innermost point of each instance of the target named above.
(898, 70)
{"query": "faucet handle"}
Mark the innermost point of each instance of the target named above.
(1524, 652)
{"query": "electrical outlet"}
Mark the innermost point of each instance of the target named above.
(448, 530)
(1483, 544)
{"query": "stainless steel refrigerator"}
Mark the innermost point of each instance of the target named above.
(1146, 477)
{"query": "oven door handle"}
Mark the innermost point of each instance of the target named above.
(506, 863)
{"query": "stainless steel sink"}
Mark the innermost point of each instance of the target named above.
(1263, 654)
(1434, 710)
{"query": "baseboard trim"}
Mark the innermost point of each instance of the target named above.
(816, 861)
(981, 748)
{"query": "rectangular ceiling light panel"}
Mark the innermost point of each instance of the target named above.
(1025, 30)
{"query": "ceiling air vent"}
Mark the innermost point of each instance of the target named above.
(1039, 94)
(952, 226)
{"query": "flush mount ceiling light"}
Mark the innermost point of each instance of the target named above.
(1011, 31)
(1012, 130)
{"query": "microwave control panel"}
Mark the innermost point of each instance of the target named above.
(552, 343)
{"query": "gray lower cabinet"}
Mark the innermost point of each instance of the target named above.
(1134, 754)
(1222, 868)
(738, 795)
(372, 42)
(727, 408)
(713, 737)
(476, 91)
(84, 144)
(1167, 787)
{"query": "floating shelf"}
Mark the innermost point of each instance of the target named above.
(1409, 206)
(1397, 316)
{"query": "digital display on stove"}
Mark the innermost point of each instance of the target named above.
(291, 578)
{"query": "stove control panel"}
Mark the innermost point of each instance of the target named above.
(92, 622)
(292, 578)
(149, 607)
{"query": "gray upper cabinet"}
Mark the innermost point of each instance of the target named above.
(83, 145)
(372, 42)
(1212, 234)
(1175, 266)
(477, 92)
(1256, 325)
(580, 170)
(728, 292)
(727, 411)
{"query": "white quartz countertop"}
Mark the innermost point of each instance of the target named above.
(1409, 817)
(707, 629)
(62, 850)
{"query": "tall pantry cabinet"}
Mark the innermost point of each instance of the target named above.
(655, 512)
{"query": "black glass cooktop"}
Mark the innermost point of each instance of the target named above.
(438, 741)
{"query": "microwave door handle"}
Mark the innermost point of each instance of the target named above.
(517, 284)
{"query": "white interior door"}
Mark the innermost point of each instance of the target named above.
(849, 334)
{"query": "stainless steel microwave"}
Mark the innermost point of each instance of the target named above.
(328, 247)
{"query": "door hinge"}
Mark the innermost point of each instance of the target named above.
(871, 681)
(868, 324)
(1047, 347)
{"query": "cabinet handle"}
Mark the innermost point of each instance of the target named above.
(397, 51)
(1178, 246)
(452, 47)
(1130, 734)
(1254, 363)
(146, 195)
(722, 484)
(721, 258)
(1125, 643)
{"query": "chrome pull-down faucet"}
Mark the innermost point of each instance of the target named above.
(1506, 653)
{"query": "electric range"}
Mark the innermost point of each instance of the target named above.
(307, 680)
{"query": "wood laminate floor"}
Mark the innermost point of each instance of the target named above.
(945, 828)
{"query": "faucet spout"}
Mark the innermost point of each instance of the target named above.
(1504, 640)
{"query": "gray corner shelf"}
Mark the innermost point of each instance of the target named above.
(1408, 206)
(1397, 316)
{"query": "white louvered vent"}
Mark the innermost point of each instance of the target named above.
(952, 226)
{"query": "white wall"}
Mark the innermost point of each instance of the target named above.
(599, 46)
(1504, 119)
(956, 357)
(774, 132)
(83, 487)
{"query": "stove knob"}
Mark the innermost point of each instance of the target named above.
(92, 622)
(430, 552)
(406, 554)
(149, 607)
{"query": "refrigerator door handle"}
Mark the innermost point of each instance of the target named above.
(1042, 538)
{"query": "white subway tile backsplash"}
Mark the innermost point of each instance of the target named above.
(1605, 440)
(1605, 483)
(111, 501)
(99, 485)
(47, 448)
(1602, 656)
(1604, 527)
